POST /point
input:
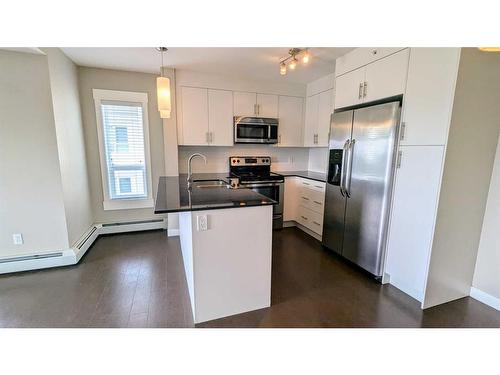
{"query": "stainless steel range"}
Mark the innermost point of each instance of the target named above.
(254, 172)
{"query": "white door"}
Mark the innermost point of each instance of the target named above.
(291, 118)
(267, 105)
(413, 216)
(194, 116)
(386, 77)
(311, 120)
(349, 88)
(428, 101)
(245, 103)
(325, 109)
(220, 117)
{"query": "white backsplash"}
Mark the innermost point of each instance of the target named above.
(318, 159)
(282, 159)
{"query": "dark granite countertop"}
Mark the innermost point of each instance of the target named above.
(316, 176)
(174, 196)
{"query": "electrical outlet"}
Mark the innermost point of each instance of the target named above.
(201, 223)
(17, 238)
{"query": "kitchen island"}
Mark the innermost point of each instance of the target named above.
(226, 242)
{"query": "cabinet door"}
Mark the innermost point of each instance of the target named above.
(194, 116)
(362, 56)
(413, 216)
(291, 118)
(347, 88)
(245, 103)
(428, 101)
(325, 109)
(267, 105)
(386, 77)
(290, 201)
(311, 120)
(220, 117)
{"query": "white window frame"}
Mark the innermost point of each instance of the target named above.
(126, 97)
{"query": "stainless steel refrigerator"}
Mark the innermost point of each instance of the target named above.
(362, 154)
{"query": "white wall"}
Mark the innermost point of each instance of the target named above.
(94, 78)
(70, 142)
(486, 274)
(282, 159)
(31, 192)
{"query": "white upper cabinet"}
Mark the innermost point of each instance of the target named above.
(360, 57)
(193, 129)
(319, 107)
(380, 79)
(245, 103)
(220, 117)
(428, 101)
(267, 105)
(386, 77)
(349, 88)
(206, 117)
(291, 116)
(253, 104)
(325, 109)
(311, 120)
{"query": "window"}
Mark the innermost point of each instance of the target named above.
(122, 125)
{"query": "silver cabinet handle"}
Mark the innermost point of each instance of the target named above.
(365, 89)
(349, 169)
(279, 138)
(343, 167)
(207, 137)
(255, 109)
(306, 183)
(317, 202)
(403, 130)
(398, 161)
(305, 198)
(315, 222)
(360, 90)
(303, 217)
(211, 137)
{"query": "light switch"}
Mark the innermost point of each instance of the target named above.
(17, 238)
(201, 223)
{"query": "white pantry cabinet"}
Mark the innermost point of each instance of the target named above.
(291, 116)
(206, 117)
(413, 217)
(380, 79)
(430, 90)
(319, 107)
(255, 104)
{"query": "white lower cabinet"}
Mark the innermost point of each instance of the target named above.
(413, 214)
(305, 202)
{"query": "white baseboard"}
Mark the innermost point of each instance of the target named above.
(73, 255)
(291, 223)
(485, 298)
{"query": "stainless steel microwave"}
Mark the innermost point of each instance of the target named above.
(255, 130)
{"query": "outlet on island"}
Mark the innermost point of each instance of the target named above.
(201, 223)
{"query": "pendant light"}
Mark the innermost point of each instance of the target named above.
(490, 49)
(163, 90)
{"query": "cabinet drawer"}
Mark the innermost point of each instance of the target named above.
(310, 219)
(311, 184)
(312, 199)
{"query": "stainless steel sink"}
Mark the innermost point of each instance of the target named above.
(203, 184)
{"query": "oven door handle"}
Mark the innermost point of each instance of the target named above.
(258, 185)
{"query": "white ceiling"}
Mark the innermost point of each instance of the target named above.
(253, 63)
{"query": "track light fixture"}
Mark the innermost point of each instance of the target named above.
(291, 60)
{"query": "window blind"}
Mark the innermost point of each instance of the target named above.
(123, 130)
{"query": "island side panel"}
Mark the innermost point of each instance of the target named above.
(186, 239)
(232, 261)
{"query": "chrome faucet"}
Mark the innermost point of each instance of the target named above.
(189, 177)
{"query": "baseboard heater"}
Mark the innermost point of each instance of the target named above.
(84, 240)
(31, 257)
(133, 222)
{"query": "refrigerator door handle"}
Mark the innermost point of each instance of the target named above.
(343, 168)
(347, 184)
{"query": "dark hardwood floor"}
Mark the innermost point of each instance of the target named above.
(137, 280)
